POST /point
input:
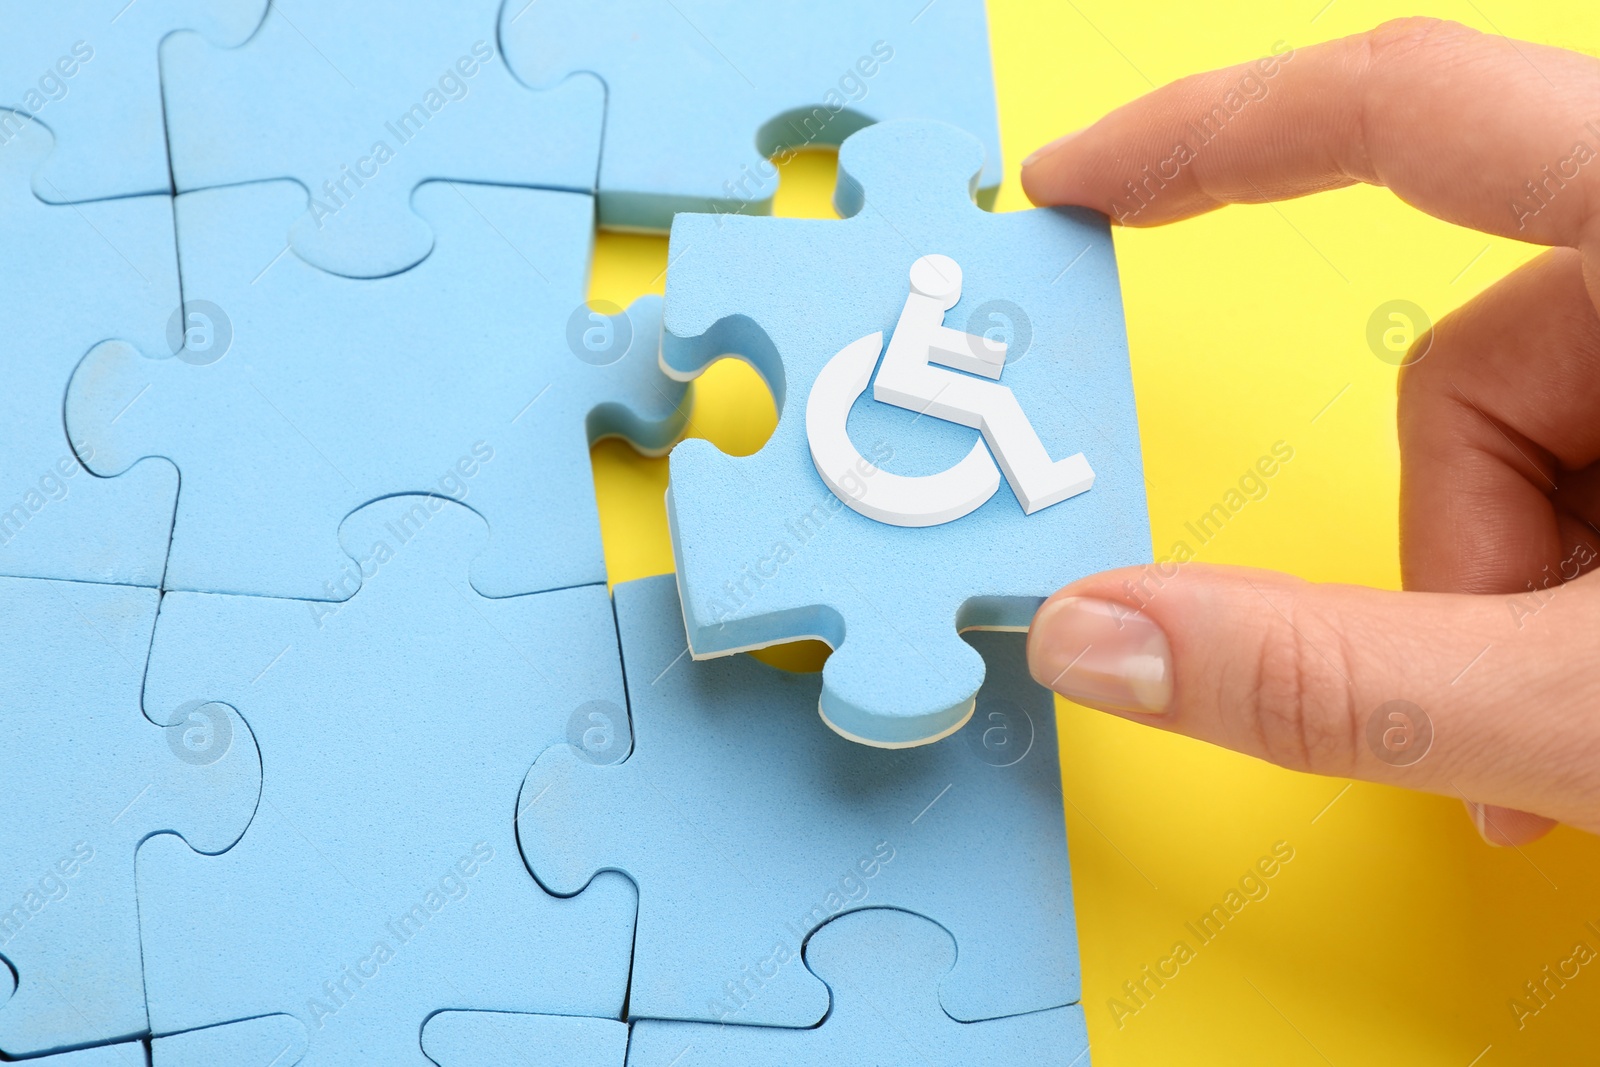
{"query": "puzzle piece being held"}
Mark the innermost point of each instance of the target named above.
(73, 277)
(881, 967)
(700, 93)
(361, 105)
(87, 777)
(768, 553)
(380, 881)
(90, 70)
(789, 824)
(460, 377)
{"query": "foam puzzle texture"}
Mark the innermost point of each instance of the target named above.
(89, 70)
(789, 560)
(454, 378)
(882, 969)
(323, 740)
(268, 1040)
(700, 93)
(88, 777)
(509, 1039)
(100, 276)
(362, 104)
(128, 1054)
(380, 880)
(793, 824)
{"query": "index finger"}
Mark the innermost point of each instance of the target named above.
(1483, 131)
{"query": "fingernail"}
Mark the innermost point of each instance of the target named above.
(1480, 819)
(1103, 654)
(1048, 149)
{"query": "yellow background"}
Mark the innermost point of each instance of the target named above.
(1394, 936)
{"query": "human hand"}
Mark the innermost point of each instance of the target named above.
(1497, 640)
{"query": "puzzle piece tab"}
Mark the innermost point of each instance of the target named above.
(746, 824)
(380, 881)
(508, 1039)
(464, 377)
(361, 105)
(90, 71)
(75, 276)
(767, 553)
(882, 969)
(700, 93)
(84, 778)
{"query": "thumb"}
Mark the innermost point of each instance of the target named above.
(1490, 699)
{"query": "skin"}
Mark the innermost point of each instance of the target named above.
(1499, 429)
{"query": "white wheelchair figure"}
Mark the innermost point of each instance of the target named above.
(908, 379)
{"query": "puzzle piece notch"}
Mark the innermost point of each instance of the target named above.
(792, 561)
(361, 115)
(748, 83)
(512, 1039)
(917, 829)
(462, 377)
(380, 881)
(930, 693)
(77, 274)
(881, 967)
(95, 77)
(88, 778)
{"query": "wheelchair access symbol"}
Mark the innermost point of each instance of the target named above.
(907, 379)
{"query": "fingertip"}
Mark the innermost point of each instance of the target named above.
(1041, 171)
(1507, 827)
(1101, 654)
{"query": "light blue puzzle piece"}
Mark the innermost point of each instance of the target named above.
(86, 778)
(266, 1041)
(701, 93)
(362, 104)
(766, 553)
(380, 881)
(459, 377)
(75, 276)
(882, 968)
(507, 1039)
(128, 1054)
(746, 824)
(90, 70)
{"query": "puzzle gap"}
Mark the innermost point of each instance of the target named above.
(805, 184)
(800, 130)
(730, 405)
